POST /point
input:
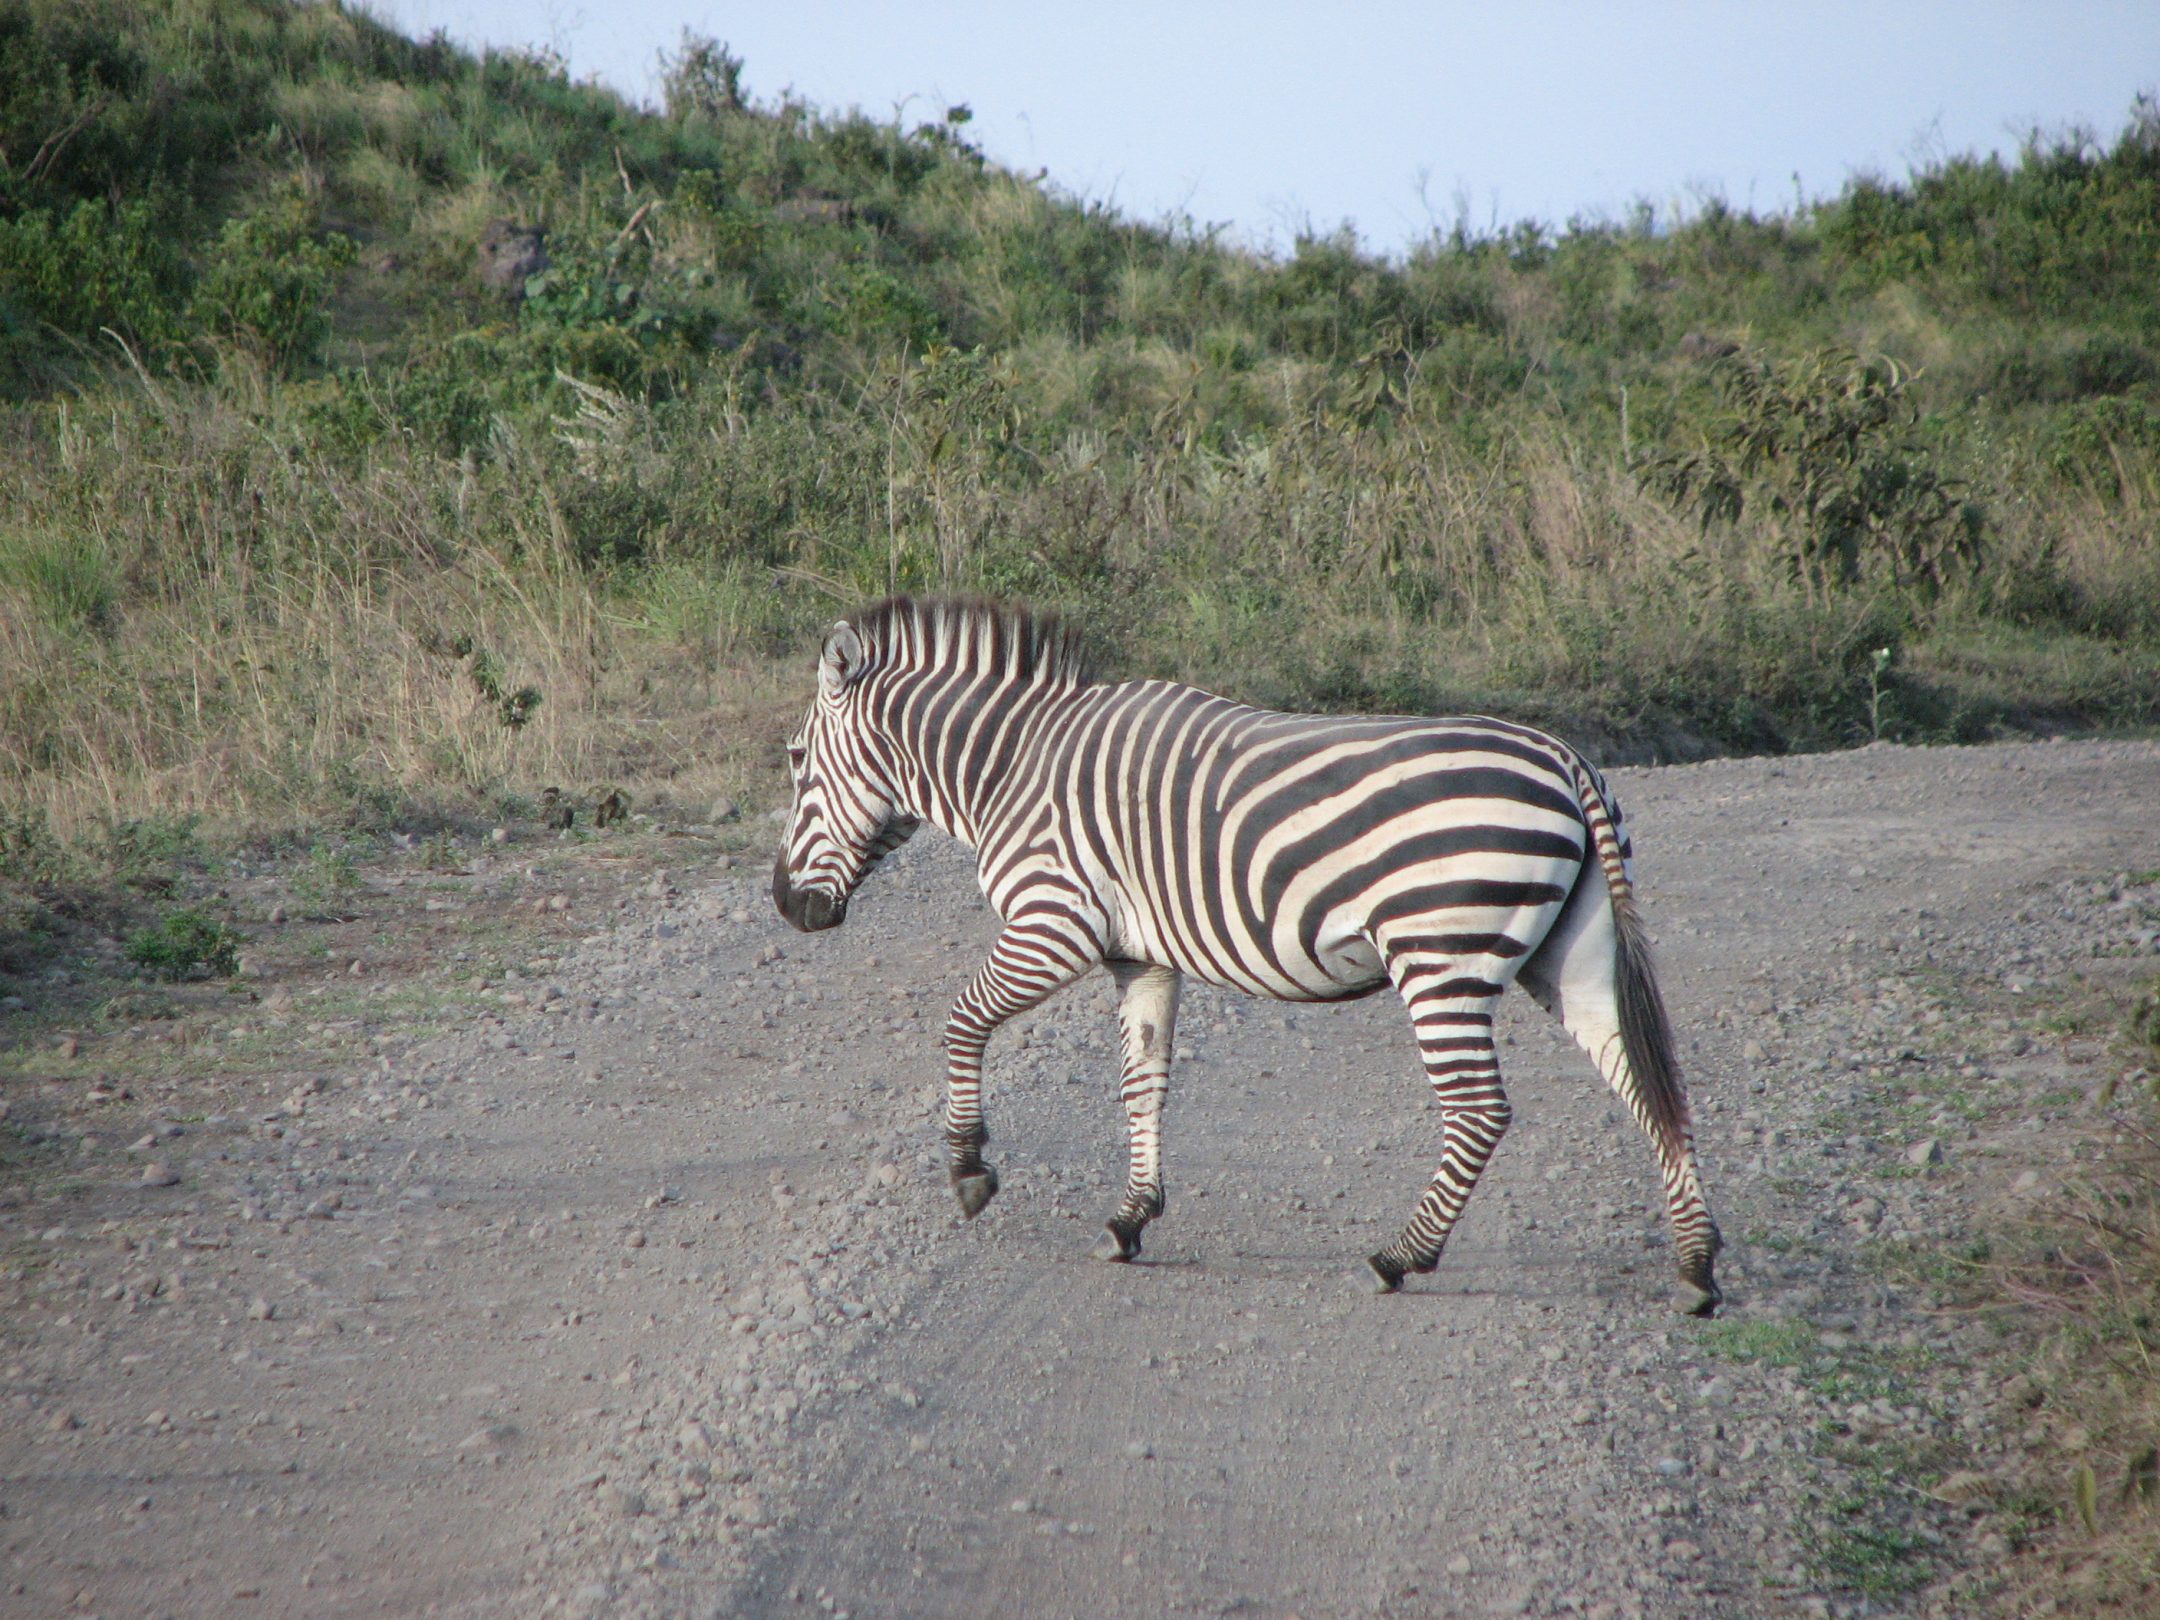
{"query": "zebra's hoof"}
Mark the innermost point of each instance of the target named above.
(975, 1191)
(1115, 1248)
(1692, 1299)
(1698, 1293)
(1383, 1276)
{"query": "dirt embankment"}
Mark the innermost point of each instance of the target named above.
(637, 1289)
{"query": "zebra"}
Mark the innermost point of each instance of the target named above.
(1162, 832)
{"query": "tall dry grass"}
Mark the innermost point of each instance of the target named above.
(207, 608)
(2087, 1294)
(203, 616)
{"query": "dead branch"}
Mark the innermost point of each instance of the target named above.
(48, 152)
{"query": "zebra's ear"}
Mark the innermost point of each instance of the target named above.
(843, 661)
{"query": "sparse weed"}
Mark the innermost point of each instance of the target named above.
(325, 883)
(442, 852)
(2144, 1020)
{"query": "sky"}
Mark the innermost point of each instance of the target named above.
(1272, 117)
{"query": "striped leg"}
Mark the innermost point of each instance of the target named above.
(1695, 1233)
(1451, 1009)
(1147, 1019)
(1042, 950)
(1574, 975)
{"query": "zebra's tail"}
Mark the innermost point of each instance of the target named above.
(1645, 1032)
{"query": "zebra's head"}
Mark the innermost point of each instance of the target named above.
(844, 820)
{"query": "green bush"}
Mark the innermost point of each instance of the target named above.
(1825, 441)
(184, 941)
(29, 850)
(2093, 440)
(93, 267)
(323, 884)
(268, 280)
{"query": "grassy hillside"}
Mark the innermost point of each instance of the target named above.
(304, 523)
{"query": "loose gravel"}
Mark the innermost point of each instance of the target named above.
(642, 1292)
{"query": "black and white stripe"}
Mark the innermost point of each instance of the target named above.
(1161, 831)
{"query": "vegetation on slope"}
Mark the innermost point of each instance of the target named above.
(304, 520)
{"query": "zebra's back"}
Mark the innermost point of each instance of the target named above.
(1277, 852)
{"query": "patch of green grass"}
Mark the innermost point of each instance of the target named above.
(2024, 1513)
(1853, 1541)
(1842, 1373)
(442, 853)
(135, 1006)
(1778, 1343)
(184, 941)
(1944, 1267)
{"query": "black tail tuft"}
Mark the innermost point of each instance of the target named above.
(1645, 1032)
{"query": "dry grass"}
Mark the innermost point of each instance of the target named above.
(208, 609)
(2090, 1294)
(199, 619)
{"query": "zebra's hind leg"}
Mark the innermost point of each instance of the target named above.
(1593, 974)
(1452, 1012)
(1147, 1023)
(1033, 957)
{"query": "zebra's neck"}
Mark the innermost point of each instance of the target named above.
(965, 751)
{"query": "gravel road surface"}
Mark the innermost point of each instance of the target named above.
(643, 1293)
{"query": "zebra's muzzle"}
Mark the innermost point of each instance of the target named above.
(808, 910)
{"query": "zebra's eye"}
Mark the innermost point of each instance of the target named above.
(795, 756)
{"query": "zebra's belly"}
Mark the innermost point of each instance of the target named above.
(1316, 984)
(1342, 967)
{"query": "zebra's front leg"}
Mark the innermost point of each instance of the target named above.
(1042, 951)
(1147, 1022)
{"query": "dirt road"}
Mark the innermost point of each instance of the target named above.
(642, 1293)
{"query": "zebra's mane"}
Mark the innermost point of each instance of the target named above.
(1039, 648)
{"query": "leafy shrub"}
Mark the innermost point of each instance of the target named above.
(93, 267)
(342, 412)
(582, 287)
(1825, 441)
(703, 79)
(29, 851)
(185, 940)
(2038, 372)
(147, 847)
(268, 282)
(445, 396)
(874, 306)
(2089, 440)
